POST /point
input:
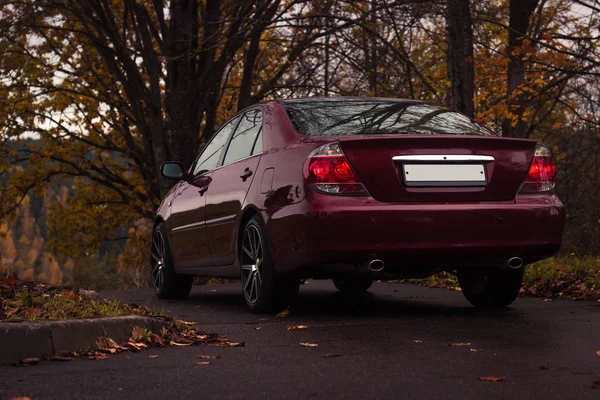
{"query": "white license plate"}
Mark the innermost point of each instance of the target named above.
(444, 174)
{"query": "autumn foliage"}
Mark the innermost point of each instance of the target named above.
(95, 95)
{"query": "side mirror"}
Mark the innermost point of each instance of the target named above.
(172, 170)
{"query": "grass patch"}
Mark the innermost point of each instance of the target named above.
(30, 301)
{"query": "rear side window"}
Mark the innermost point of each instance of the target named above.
(244, 137)
(342, 118)
(210, 155)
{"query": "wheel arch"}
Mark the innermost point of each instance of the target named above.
(249, 212)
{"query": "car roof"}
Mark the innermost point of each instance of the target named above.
(347, 99)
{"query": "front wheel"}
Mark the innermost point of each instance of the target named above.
(264, 291)
(491, 288)
(166, 282)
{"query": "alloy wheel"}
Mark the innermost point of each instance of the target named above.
(157, 253)
(251, 259)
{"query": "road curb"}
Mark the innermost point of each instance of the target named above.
(21, 340)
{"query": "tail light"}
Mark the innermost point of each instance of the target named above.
(327, 169)
(540, 177)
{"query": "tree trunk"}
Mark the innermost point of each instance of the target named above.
(182, 100)
(461, 73)
(245, 98)
(520, 13)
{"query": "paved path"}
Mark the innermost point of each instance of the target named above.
(391, 342)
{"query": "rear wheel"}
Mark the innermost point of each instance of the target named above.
(353, 285)
(491, 288)
(166, 282)
(264, 291)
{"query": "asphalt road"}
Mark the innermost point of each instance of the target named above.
(390, 343)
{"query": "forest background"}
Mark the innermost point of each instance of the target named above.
(96, 94)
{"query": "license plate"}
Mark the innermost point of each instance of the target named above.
(444, 174)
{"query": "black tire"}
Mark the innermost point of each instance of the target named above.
(264, 291)
(491, 288)
(353, 285)
(166, 282)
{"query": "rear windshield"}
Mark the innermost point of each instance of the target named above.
(320, 118)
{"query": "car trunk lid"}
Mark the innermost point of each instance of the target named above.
(443, 168)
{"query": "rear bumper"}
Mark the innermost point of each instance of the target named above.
(343, 233)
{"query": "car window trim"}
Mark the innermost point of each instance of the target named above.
(257, 107)
(260, 134)
(222, 156)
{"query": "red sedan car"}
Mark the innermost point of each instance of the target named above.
(356, 189)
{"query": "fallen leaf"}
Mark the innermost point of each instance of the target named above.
(188, 322)
(137, 345)
(172, 343)
(20, 398)
(30, 360)
(203, 357)
(308, 344)
(458, 344)
(547, 300)
(106, 343)
(598, 353)
(198, 307)
(492, 378)
(201, 362)
(137, 333)
(235, 344)
(98, 357)
(332, 355)
(297, 327)
(153, 356)
(418, 341)
(284, 313)
(493, 354)
(474, 350)
(258, 328)
(61, 358)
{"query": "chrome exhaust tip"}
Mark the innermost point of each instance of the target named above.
(376, 265)
(514, 262)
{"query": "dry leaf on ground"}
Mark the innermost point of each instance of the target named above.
(303, 344)
(598, 353)
(61, 358)
(418, 341)
(297, 327)
(172, 343)
(492, 378)
(137, 345)
(458, 344)
(258, 328)
(30, 360)
(188, 323)
(203, 357)
(153, 356)
(20, 398)
(284, 313)
(98, 357)
(201, 362)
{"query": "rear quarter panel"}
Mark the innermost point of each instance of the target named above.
(279, 182)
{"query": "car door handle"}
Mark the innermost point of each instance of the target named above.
(203, 190)
(246, 174)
